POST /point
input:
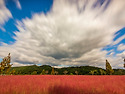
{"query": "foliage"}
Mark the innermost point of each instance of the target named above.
(34, 73)
(76, 72)
(52, 72)
(102, 72)
(94, 72)
(109, 69)
(119, 72)
(43, 72)
(71, 73)
(82, 70)
(46, 72)
(65, 72)
(13, 72)
(5, 65)
(56, 72)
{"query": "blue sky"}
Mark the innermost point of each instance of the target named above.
(63, 33)
(28, 8)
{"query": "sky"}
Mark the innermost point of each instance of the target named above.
(63, 33)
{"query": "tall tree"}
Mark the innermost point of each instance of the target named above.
(52, 72)
(5, 65)
(109, 69)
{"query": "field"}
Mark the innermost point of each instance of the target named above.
(62, 84)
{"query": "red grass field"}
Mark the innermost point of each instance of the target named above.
(65, 84)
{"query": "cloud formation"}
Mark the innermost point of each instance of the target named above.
(73, 33)
(18, 4)
(121, 47)
(5, 14)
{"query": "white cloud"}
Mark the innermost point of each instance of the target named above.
(121, 47)
(72, 33)
(5, 14)
(16, 64)
(18, 4)
(119, 40)
(122, 55)
(3, 29)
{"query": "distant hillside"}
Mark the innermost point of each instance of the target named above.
(82, 70)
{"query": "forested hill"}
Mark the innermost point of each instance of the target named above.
(46, 69)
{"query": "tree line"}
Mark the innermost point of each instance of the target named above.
(7, 69)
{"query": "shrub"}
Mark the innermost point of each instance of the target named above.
(34, 73)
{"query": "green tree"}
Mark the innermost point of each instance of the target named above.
(93, 72)
(13, 72)
(52, 72)
(5, 65)
(71, 73)
(76, 72)
(43, 72)
(102, 72)
(46, 71)
(109, 69)
(56, 72)
(120, 72)
(34, 73)
(65, 72)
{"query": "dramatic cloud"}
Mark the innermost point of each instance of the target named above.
(73, 33)
(4, 14)
(18, 4)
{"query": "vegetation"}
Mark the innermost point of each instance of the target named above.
(94, 72)
(5, 69)
(52, 72)
(5, 65)
(66, 84)
(82, 70)
(109, 70)
(56, 72)
(46, 72)
(34, 73)
(43, 72)
(71, 73)
(102, 72)
(65, 72)
(76, 72)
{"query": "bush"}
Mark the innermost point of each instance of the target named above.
(34, 73)
(71, 73)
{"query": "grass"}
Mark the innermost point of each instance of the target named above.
(62, 84)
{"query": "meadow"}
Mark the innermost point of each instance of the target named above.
(62, 84)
